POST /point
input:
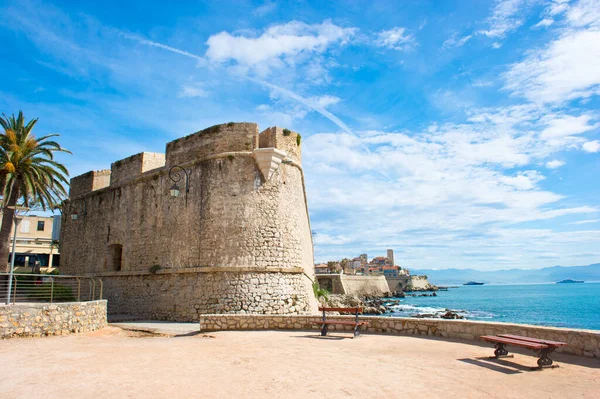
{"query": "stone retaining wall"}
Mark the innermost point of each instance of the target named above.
(38, 319)
(581, 342)
(184, 296)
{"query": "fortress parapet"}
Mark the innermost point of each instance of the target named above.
(282, 139)
(88, 182)
(240, 242)
(218, 139)
(134, 166)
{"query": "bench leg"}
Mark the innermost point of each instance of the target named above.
(501, 351)
(324, 330)
(544, 360)
(356, 331)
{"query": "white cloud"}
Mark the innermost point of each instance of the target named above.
(554, 164)
(586, 221)
(591, 146)
(524, 180)
(266, 8)
(324, 101)
(454, 41)
(504, 19)
(544, 23)
(567, 125)
(395, 38)
(584, 13)
(192, 90)
(568, 68)
(557, 7)
(276, 43)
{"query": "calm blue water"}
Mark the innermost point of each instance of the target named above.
(559, 305)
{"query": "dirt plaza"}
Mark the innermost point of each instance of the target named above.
(286, 364)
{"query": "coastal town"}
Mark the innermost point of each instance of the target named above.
(365, 273)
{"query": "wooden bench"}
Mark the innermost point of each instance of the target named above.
(542, 347)
(324, 323)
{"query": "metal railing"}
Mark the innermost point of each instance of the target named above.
(49, 288)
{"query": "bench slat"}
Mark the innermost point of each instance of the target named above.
(535, 340)
(514, 342)
(346, 310)
(349, 323)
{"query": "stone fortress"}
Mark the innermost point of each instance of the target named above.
(238, 242)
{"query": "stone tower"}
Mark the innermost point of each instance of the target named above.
(390, 256)
(238, 242)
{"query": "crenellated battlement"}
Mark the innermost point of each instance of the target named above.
(282, 139)
(88, 182)
(130, 168)
(225, 138)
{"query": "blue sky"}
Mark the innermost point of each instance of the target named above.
(459, 133)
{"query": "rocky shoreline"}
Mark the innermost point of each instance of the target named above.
(382, 305)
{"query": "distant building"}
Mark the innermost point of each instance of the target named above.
(390, 257)
(37, 241)
(321, 268)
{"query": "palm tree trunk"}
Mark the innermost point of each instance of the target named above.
(7, 222)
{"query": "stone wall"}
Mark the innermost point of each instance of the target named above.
(184, 295)
(39, 319)
(580, 342)
(397, 283)
(353, 285)
(365, 285)
(232, 217)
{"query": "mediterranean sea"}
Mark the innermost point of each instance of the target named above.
(558, 305)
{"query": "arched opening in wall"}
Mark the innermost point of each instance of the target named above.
(115, 257)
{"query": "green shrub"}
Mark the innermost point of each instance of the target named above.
(320, 292)
(298, 139)
(287, 132)
(230, 157)
(229, 124)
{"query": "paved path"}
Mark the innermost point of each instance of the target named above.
(112, 363)
(159, 327)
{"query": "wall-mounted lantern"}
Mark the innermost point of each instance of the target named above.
(175, 176)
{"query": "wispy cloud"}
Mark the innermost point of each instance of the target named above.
(396, 38)
(505, 18)
(455, 41)
(265, 8)
(568, 67)
(588, 221)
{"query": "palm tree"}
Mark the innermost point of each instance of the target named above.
(28, 173)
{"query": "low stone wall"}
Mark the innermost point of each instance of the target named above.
(353, 285)
(38, 319)
(184, 295)
(581, 342)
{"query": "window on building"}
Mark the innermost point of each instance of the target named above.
(24, 226)
(114, 257)
(41, 225)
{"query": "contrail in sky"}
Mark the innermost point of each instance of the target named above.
(282, 90)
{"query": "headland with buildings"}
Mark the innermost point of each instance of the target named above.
(376, 277)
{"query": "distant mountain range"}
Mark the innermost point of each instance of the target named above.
(511, 276)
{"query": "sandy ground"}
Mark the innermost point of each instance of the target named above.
(112, 363)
